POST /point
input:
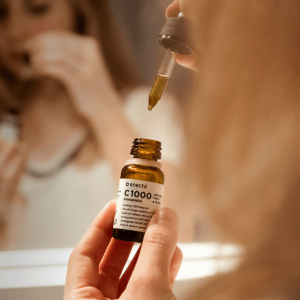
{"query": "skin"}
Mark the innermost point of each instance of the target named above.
(94, 273)
(12, 204)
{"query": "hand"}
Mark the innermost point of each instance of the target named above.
(187, 61)
(75, 61)
(12, 165)
(97, 262)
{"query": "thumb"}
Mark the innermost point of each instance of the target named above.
(153, 265)
(173, 9)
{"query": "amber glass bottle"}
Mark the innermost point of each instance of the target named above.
(140, 191)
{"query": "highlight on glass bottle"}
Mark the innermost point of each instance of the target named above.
(140, 191)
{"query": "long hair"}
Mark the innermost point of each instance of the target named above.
(93, 18)
(244, 140)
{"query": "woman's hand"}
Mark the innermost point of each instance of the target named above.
(12, 166)
(96, 264)
(76, 61)
(187, 61)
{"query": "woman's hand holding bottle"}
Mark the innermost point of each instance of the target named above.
(97, 262)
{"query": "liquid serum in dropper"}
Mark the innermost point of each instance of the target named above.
(162, 78)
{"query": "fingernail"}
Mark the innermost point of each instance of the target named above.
(165, 216)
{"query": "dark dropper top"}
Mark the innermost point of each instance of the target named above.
(175, 35)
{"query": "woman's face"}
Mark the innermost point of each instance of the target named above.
(21, 20)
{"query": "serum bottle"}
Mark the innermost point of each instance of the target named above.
(140, 191)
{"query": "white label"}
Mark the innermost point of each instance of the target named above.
(137, 202)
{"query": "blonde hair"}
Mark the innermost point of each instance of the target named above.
(244, 139)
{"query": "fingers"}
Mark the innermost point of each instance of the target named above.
(111, 267)
(85, 258)
(11, 176)
(153, 265)
(62, 70)
(60, 47)
(54, 41)
(72, 59)
(47, 57)
(173, 9)
(187, 61)
(128, 272)
(174, 269)
(175, 265)
(62, 65)
(12, 165)
(7, 148)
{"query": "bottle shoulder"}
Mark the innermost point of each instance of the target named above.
(143, 172)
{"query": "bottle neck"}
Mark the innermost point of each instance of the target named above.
(147, 157)
(146, 149)
(144, 162)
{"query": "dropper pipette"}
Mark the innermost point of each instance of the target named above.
(174, 38)
(162, 78)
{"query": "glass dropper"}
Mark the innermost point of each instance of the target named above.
(162, 78)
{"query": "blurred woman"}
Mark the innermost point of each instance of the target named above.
(244, 128)
(63, 67)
